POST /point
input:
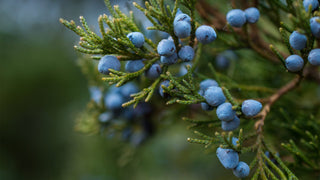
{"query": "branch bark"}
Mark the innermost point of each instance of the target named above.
(273, 98)
(309, 71)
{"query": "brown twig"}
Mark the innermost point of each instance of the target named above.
(273, 98)
(311, 72)
(233, 4)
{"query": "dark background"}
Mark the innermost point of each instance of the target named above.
(41, 92)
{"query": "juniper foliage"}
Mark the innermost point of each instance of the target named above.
(289, 122)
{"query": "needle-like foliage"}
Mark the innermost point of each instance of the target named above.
(278, 127)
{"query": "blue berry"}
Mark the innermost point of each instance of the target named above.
(222, 62)
(206, 107)
(95, 94)
(182, 29)
(313, 3)
(214, 96)
(205, 34)
(181, 18)
(267, 153)
(228, 157)
(142, 109)
(165, 83)
(105, 117)
(315, 26)
(134, 66)
(225, 112)
(114, 101)
(114, 89)
(235, 141)
(137, 39)
(236, 17)
(166, 47)
(128, 113)
(186, 53)
(314, 57)
(205, 84)
(242, 170)
(128, 89)
(201, 92)
(224, 58)
(154, 71)
(252, 15)
(294, 63)
(230, 54)
(298, 41)
(108, 62)
(251, 107)
(172, 59)
(183, 70)
(230, 125)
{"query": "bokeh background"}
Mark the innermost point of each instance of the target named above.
(41, 92)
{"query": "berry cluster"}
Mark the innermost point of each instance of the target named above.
(182, 44)
(238, 17)
(230, 121)
(215, 97)
(116, 96)
(111, 62)
(167, 48)
(298, 41)
(169, 52)
(182, 25)
(182, 29)
(132, 122)
(229, 158)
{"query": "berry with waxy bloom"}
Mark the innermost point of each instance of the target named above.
(137, 39)
(228, 157)
(236, 17)
(252, 15)
(108, 62)
(206, 34)
(294, 63)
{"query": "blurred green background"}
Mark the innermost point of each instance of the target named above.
(42, 90)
